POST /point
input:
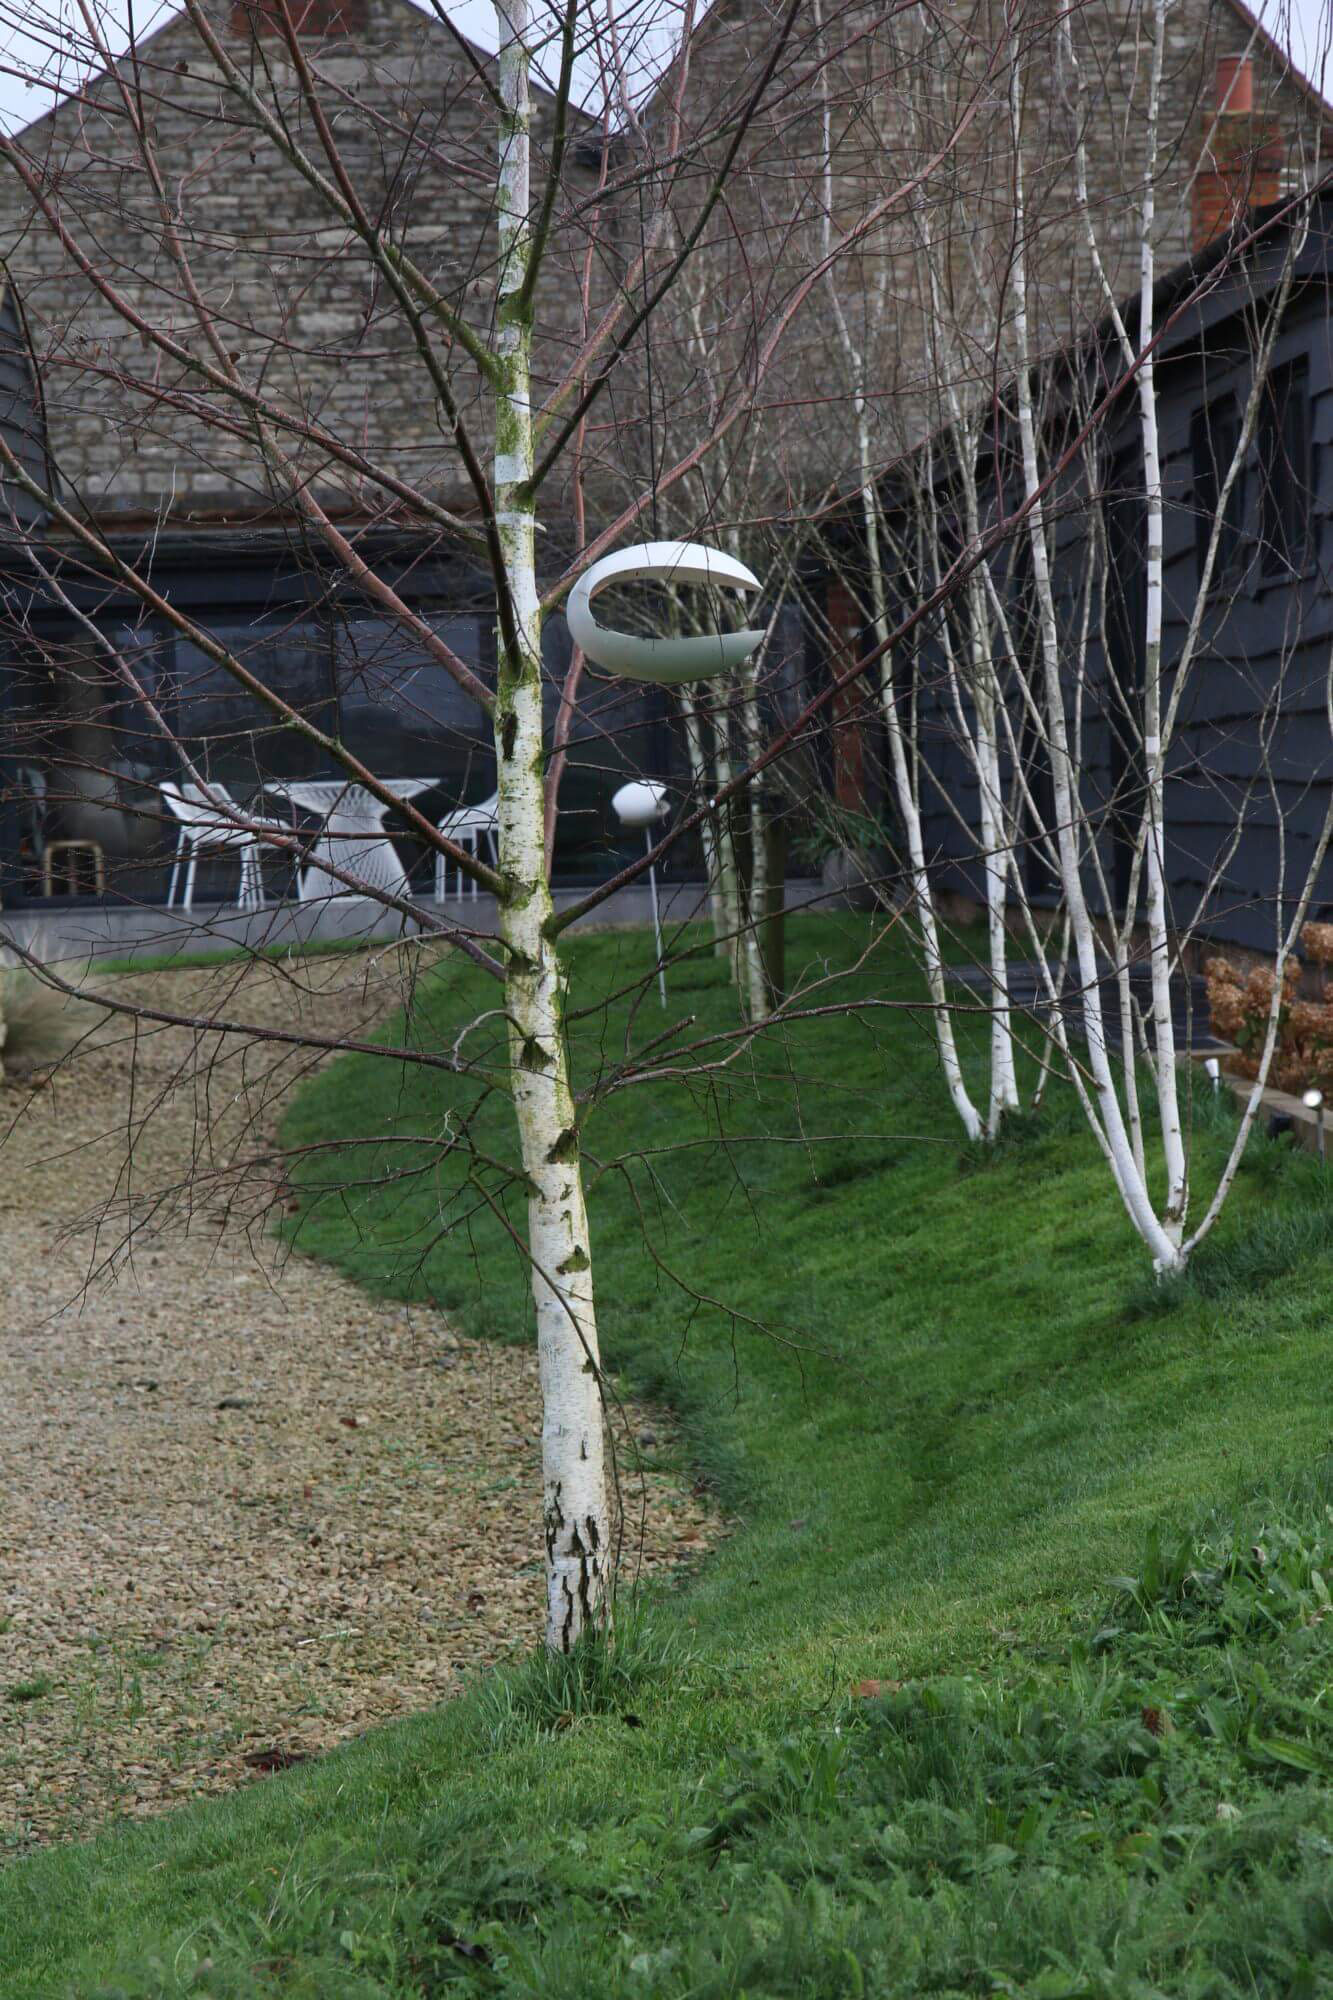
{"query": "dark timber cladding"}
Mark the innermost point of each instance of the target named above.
(1252, 746)
(22, 522)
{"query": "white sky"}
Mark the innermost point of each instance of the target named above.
(34, 62)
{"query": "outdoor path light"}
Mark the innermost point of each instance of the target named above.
(671, 660)
(1214, 1069)
(642, 803)
(1313, 1100)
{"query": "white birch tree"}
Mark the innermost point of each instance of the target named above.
(204, 357)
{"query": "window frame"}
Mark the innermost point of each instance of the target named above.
(1208, 468)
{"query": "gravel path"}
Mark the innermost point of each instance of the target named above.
(249, 1511)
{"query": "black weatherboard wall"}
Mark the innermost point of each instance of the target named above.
(1253, 744)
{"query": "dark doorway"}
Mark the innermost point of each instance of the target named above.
(1035, 813)
(1122, 704)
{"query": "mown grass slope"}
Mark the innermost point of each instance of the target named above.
(1076, 1530)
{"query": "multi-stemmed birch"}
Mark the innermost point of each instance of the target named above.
(1147, 720)
(1000, 473)
(915, 563)
(1053, 686)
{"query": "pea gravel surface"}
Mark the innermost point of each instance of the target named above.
(248, 1511)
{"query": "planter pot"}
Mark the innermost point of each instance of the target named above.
(857, 879)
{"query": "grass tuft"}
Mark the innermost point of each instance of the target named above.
(36, 1688)
(604, 1675)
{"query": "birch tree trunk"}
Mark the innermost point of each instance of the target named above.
(909, 808)
(1003, 1075)
(1003, 1093)
(701, 780)
(755, 991)
(575, 1515)
(1164, 1041)
(728, 874)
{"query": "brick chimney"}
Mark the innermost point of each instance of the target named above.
(1241, 160)
(314, 18)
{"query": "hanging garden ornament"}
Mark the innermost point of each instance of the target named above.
(667, 660)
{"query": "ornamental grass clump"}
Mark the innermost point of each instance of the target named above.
(1240, 1003)
(39, 1024)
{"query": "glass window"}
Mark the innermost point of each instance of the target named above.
(403, 713)
(238, 736)
(1286, 469)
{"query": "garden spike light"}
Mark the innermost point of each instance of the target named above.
(1313, 1100)
(667, 661)
(639, 804)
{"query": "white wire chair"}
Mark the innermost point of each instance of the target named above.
(466, 826)
(202, 824)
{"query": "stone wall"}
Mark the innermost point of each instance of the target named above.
(294, 298)
(298, 305)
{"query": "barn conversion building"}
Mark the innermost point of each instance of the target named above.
(197, 509)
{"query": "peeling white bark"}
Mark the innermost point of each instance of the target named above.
(1159, 948)
(756, 994)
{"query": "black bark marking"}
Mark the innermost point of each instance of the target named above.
(553, 1522)
(508, 731)
(580, 1604)
(565, 1148)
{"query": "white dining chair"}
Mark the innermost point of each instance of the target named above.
(466, 826)
(202, 824)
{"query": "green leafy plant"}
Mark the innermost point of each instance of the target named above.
(36, 1688)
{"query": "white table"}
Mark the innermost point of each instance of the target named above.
(352, 837)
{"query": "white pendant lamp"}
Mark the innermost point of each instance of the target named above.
(669, 660)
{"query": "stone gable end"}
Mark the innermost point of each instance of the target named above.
(292, 296)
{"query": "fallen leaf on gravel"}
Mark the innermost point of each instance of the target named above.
(275, 1760)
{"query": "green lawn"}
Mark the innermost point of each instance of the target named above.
(1078, 1530)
